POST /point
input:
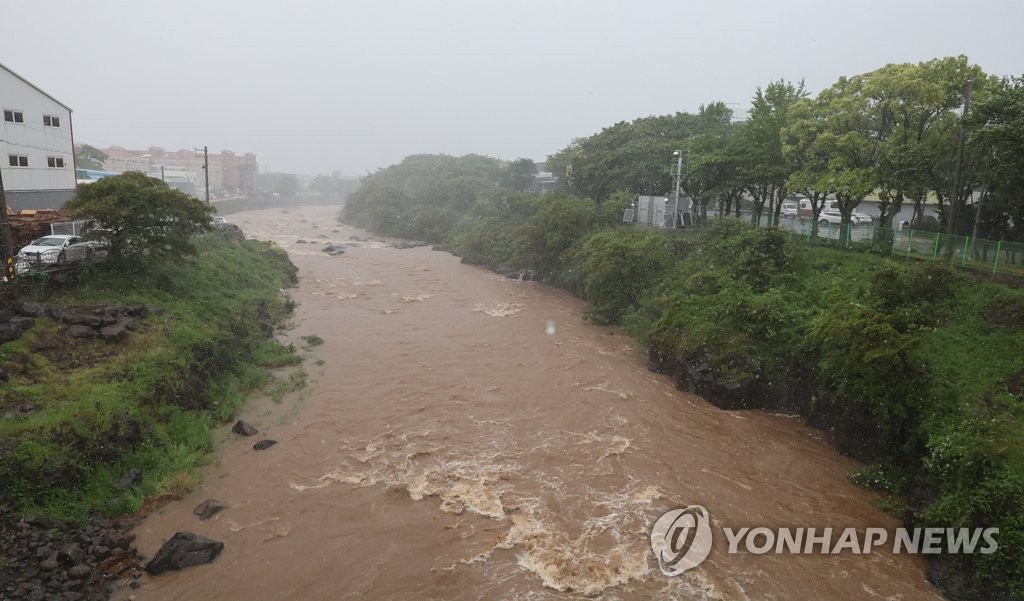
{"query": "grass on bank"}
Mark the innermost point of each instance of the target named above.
(98, 410)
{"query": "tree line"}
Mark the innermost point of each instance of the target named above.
(940, 131)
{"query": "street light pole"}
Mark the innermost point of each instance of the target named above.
(679, 180)
(206, 171)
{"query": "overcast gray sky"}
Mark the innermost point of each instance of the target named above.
(313, 87)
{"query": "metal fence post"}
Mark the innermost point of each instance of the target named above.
(935, 249)
(967, 240)
(910, 243)
(995, 266)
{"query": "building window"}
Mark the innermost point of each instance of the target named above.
(51, 121)
(17, 160)
(57, 162)
(12, 116)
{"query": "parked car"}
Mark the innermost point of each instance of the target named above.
(830, 216)
(859, 218)
(789, 209)
(58, 250)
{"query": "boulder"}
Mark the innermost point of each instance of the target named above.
(113, 333)
(9, 332)
(130, 479)
(70, 555)
(22, 323)
(79, 571)
(333, 250)
(266, 443)
(81, 332)
(184, 550)
(32, 310)
(140, 311)
(209, 508)
(244, 428)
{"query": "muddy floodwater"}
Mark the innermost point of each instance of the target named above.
(468, 436)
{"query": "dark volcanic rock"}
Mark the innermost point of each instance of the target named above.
(140, 311)
(113, 333)
(22, 323)
(131, 479)
(32, 310)
(77, 331)
(9, 332)
(184, 550)
(81, 319)
(244, 428)
(209, 508)
(70, 555)
(334, 250)
(266, 443)
(40, 522)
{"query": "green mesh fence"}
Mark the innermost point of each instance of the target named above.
(995, 256)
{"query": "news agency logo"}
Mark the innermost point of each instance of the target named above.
(681, 539)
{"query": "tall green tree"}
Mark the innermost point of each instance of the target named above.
(89, 157)
(520, 174)
(998, 136)
(766, 170)
(810, 161)
(636, 156)
(141, 218)
(713, 163)
(287, 186)
(848, 138)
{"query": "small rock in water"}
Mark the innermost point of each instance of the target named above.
(184, 550)
(209, 508)
(244, 428)
(333, 250)
(266, 443)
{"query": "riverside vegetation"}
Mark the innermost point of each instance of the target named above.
(77, 415)
(913, 368)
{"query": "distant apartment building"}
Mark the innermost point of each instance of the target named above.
(37, 159)
(230, 173)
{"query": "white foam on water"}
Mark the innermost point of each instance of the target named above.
(499, 309)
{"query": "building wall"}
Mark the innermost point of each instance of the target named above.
(228, 172)
(38, 182)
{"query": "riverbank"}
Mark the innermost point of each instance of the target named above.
(94, 424)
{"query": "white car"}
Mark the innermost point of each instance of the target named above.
(861, 218)
(58, 250)
(789, 209)
(830, 216)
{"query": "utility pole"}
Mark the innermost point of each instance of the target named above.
(206, 171)
(7, 248)
(676, 215)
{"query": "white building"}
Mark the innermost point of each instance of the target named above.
(37, 158)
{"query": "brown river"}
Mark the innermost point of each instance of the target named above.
(467, 436)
